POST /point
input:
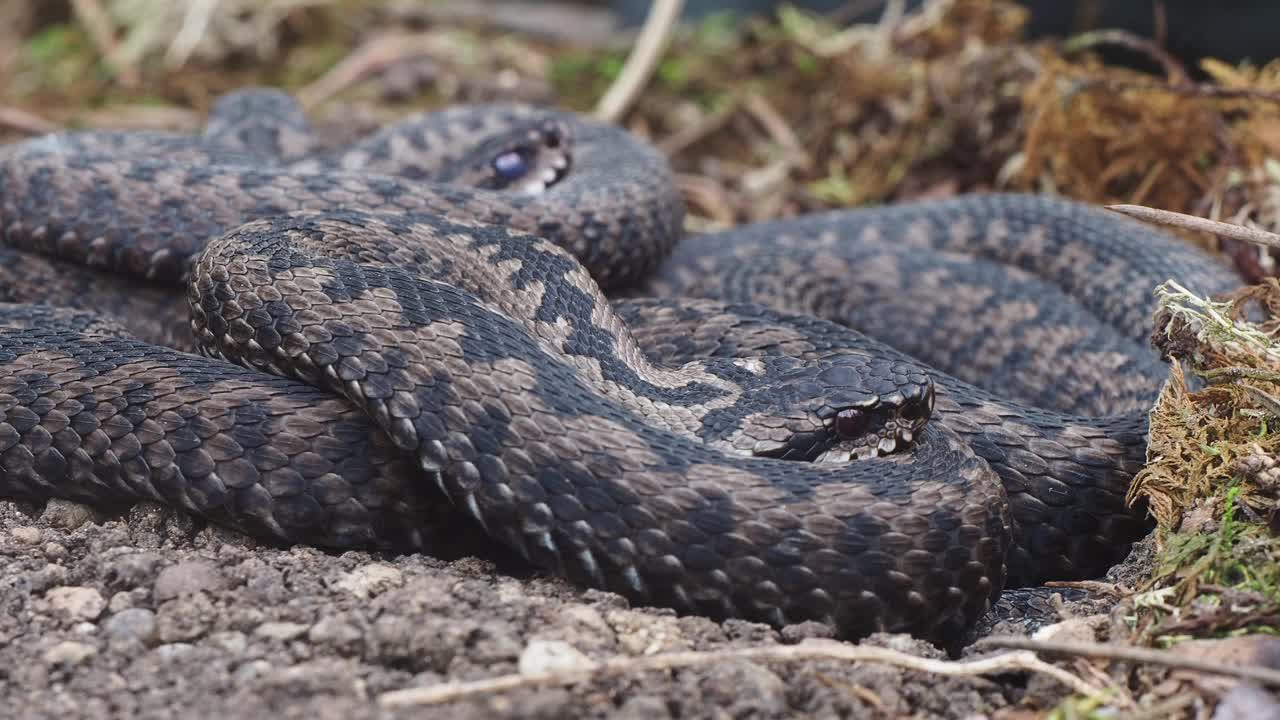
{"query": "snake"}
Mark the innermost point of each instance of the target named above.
(877, 418)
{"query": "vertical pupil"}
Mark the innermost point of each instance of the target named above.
(510, 165)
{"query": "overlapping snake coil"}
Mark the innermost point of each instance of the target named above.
(327, 346)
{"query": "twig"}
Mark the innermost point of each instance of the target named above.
(778, 128)
(1173, 69)
(98, 24)
(552, 20)
(1191, 222)
(1093, 586)
(687, 135)
(811, 649)
(377, 53)
(26, 122)
(891, 16)
(707, 196)
(1240, 373)
(1167, 708)
(194, 24)
(1125, 653)
(650, 44)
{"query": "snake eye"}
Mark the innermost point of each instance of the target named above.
(851, 423)
(511, 165)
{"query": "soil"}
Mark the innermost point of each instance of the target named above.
(153, 615)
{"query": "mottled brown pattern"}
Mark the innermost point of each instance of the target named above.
(116, 422)
(431, 298)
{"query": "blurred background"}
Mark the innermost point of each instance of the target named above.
(764, 108)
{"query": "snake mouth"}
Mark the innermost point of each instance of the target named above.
(877, 427)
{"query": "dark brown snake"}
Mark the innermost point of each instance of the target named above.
(422, 312)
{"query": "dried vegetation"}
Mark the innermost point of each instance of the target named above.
(797, 114)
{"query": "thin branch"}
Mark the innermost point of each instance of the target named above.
(1173, 69)
(691, 133)
(377, 53)
(26, 122)
(811, 649)
(1126, 653)
(1239, 373)
(101, 31)
(1198, 224)
(550, 19)
(195, 22)
(639, 66)
(779, 130)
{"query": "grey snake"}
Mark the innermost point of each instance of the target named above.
(423, 313)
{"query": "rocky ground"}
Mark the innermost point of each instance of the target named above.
(152, 615)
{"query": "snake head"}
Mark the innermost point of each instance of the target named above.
(833, 410)
(886, 425)
(526, 158)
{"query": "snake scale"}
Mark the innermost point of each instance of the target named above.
(494, 304)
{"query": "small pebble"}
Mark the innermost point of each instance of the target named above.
(120, 601)
(186, 578)
(170, 651)
(51, 575)
(65, 514)
(251, 670)
(282, 631)
(370, 580)
(25, 535)
(230, 640)
(132, 570)
(337, 634)
(185, 618)
(77, 603)
(132, 625)
(544, 656)
(796, 632)
(69, 653)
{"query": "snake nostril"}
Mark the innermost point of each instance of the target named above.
(913, 411)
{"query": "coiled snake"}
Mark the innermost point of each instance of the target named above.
(423, 312)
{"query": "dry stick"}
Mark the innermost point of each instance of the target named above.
(195, 22)
(1191, 222)
(26, 122)
(778, 128)
(375, 54)
(1173, 70)
(811, 649)
(1258, 673)
(553, 20)
(101, 31)
(689, 134)
(650, 44)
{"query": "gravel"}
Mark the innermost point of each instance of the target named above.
(154, 615)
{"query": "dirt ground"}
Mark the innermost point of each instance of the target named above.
(151, 615)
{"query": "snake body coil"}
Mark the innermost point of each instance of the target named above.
(424, 312)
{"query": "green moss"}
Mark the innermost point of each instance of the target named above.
(54, 58)
(1082, 708)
